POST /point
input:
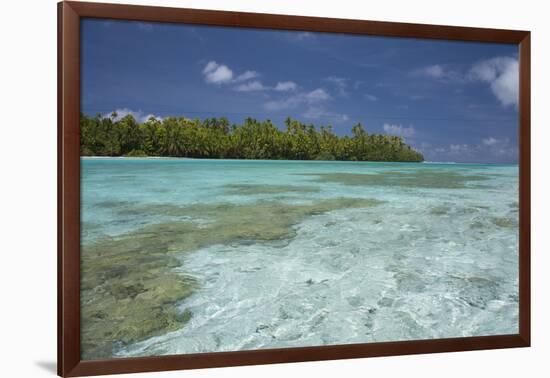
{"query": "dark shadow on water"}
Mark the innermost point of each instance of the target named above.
(49, 366)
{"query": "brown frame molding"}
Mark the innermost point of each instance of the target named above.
(69, 14)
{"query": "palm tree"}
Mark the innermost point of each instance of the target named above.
(216, 138)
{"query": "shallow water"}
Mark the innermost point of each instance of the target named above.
(433, 254)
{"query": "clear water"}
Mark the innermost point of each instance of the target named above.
(427, 262)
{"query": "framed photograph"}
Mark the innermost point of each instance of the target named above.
(239, 188)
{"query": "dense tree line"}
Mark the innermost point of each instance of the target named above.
(217, 138)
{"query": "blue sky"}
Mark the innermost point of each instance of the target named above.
(454, 101)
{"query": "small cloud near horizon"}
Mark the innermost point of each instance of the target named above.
(303, 98)
(317, 112)
(138, 115)
(399, 130)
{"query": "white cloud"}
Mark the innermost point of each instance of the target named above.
(502, 74)
(439, 72)
(138, 115)
(371, 97)
(247, 75)
(302, 36)
(490, 141)
(435, 71)
(318, 94)
(256, 85)
(340, 83)
(145, 26)
(210, 66)
(147, 117)
(287, 103)
(215, 73)
(283, 86)
(317, 112)
(459, 148)
(251, 86)
(487, 149)
(399, 130)
(308, 98)
(500, 147)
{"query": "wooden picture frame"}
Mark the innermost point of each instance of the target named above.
(69, 16)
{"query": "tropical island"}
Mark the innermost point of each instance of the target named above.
(216, 138)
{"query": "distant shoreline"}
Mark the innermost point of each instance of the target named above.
(282, 160)
(146, 157)
(231, 159)
(253, 139)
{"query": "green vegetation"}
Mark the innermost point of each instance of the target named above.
(253, 189)
(129, 285)
(440, 210)
(505, 222)
(216, 138)
(408, 179)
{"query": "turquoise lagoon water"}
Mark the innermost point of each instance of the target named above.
(437, 257)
